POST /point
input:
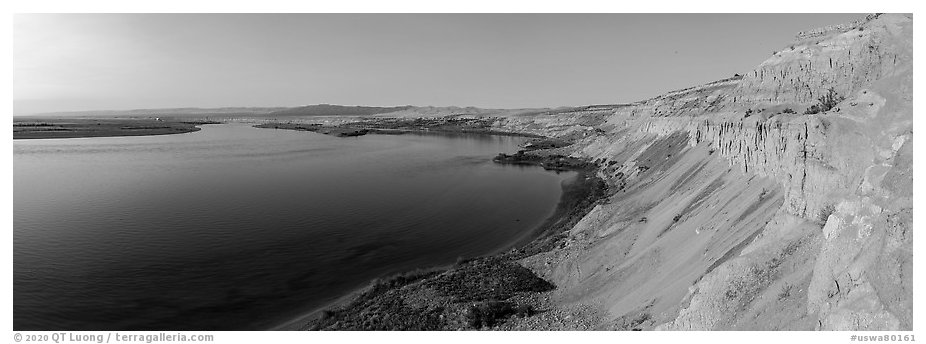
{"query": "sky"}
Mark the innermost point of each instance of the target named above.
(78, 62)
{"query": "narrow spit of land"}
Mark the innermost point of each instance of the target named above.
(475, 293)
(396, 126)
(59, 128)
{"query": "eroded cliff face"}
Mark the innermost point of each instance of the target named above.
(734, 210)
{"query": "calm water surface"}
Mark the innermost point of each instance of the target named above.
(234, 227)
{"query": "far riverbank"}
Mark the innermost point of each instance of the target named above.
(61, 128)
(397, 126)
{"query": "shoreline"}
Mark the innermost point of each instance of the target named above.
(578, 198)
(571, 191)
(301, 322)
(71, 128)
(445, 132)
(362, 128)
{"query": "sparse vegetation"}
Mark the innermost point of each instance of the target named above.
(554, 162)
(488, 279)
(763, 194)
(380, 286)
(787, 110)
(477, 295)
(382, 308)
(546, 143)
(632, 322)
(490, 313)
(826, 102)
(825, 213)
(785, 292)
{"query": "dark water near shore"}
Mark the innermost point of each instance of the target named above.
(234, 227)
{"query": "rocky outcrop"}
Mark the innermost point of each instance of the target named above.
(827, 30)
(845, 60)
(735, 210)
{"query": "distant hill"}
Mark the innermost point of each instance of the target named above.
(224, 111)
(336, 110)
(302, 111)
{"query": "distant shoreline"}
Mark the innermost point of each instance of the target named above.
(69, 128)
(398, 126)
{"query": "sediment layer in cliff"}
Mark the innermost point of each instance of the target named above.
(745, 203)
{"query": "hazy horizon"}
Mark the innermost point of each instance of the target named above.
(83, 62)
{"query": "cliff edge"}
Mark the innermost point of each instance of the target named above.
(779, 199)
